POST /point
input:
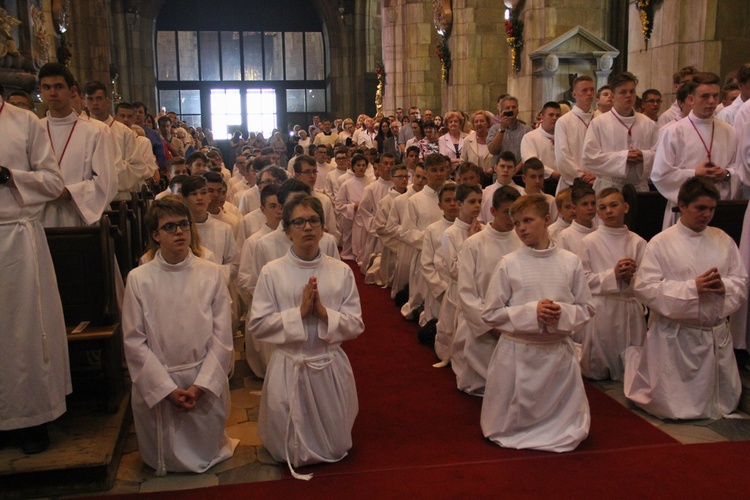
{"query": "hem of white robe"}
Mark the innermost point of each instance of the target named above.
(32, 421)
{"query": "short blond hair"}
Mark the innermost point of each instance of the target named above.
(535, 202)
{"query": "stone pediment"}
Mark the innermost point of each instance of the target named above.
(576, 43)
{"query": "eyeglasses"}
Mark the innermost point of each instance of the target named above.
(399, 176)
(171, 227)
(267, 182)
(308, 172)
(301, 223)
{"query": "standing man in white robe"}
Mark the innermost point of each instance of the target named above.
(83, 152)
(34, 370)
(308, 171)
(691, 278)
(619, 144)
(178, 362)
(347, 205)
(143, 165)
(477, 261)
(505, 168)
(728, 113)
(364, 220)
(307, 304)
(534, 397)
(389, 252)
(696, 145)
(570, 132)
(540, 142)
(422, 211)
(679, 79)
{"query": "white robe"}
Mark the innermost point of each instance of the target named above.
(135, 166)
(686, 368)
(404, 253)
(389, 252)
(557, 227)
(620, 319)
(571, 239)
(165, 351)
(309, 399)
(34, 370)
(422, 210)
(538, 143)
(728, 113)
(320, 180)
(333, 182)
(217, 236)
(672, 114)
(249, 225)
(479, 256)
(249, 200)
(230, 219)
(332, 226)
(432, 269)
(239, 186)
(88, 169)
(534, 397)
(570, 132)
(605, 150)
(680, 151)
(365, 241)
(349, 194)
(485, 216)
(447, 345)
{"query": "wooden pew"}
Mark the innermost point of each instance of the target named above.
(729, 217)
(84, 265)
(121, 219)
(646, 214)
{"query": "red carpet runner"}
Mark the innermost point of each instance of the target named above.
(418, 436)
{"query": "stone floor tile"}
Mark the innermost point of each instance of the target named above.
(172, 482)
(124, 488)
(265, 457)
(246, 432)
(250, 473)
(691, 434)
(131, 444)
(243, 455)
(732, 429)
(133, 469)
(236, 416)
(244, 398)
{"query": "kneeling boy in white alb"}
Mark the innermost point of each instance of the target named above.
(534, 397)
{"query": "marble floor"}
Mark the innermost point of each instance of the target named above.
(251, 462)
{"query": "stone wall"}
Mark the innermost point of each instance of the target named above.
(545, 20)
(713, 35)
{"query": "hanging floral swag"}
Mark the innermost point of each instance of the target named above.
(514, 37)
(444, 54)
(646, 11)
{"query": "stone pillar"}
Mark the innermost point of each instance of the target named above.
(545, 20)
(88, 36)
(479, 55)
(709, 34)
(411, 65)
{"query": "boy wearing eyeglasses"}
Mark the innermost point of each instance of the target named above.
(178, 362)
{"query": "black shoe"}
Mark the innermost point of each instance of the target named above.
(34, 439)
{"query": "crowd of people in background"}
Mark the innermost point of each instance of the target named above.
(505, 241)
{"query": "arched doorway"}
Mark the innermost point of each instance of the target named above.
(241, 65)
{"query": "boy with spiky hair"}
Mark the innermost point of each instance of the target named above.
(534, 397)
(584, 199)
(566, 212)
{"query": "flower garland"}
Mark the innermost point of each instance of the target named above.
(514, 37)
(444, 54)
(646, 11)
(380, 70)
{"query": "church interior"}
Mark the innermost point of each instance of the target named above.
(251, 67)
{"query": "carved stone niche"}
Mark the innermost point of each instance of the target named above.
(577, 52)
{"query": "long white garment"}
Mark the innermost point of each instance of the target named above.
(87, 167)
(432, 269)
(485, 216)
(333, 181)
(620, 319)
(540, 144)
(365, 241)
(388, 239)
(134, 167)
(557, 227)
(682, 148)
(422, 210)
(534, 397)
(686, 368)
(320, 180)
(742, 117)
(34, 370)
(446, 346)
(349, 194)
(309, 399)
(404, 252)
(728, 113)
(479, 256)
(332, 226)
(249, 225)
(571, 239)
(217, 236)
(570, 132)
(230, 219)
(144, 164)
(239, 186)
(166, 351)
(249, 200)
(672, 113)
(605, 149)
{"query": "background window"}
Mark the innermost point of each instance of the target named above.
(316, 100)
(166, 56)
(261, 111)
(295, 101)
(231, 68)
(209, 60)
(315, 62)
(226, 112)
(273, 56)
(188, 43)
(294, 57)
(252, 44)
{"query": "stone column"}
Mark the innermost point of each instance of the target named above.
(88, 36)
(479, 55)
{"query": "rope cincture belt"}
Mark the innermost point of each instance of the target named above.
(316, 363)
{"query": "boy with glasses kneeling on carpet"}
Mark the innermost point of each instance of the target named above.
(534, 397)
